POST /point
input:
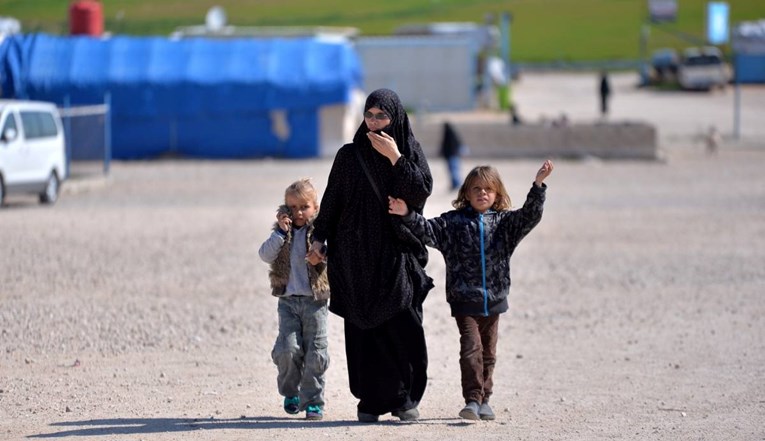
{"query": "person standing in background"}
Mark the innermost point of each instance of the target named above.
(451, 151)
(605, 93)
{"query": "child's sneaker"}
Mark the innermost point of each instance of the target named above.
(292, 405)
(470, 411)
(313, 412)
(485, 411)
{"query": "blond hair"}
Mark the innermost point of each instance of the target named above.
(302, 189)
(488, 175)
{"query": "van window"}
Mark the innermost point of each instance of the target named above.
(10, 123)
(38, 124)
(703, 60)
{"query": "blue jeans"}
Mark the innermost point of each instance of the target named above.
(300, 351)
(453, 162)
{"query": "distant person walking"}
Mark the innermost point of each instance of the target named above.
(605, 93)
(451, 150)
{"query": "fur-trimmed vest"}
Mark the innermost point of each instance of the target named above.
(280, 268)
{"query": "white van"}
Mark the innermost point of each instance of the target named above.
(32, 149)
(703, 69)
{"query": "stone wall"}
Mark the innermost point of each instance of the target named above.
(614, 140)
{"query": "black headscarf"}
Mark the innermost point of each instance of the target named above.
(399, 127)
(401, 131)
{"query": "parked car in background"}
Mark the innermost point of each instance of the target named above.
(703, 69)
(32, 150)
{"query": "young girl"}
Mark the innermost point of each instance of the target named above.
(300, 282)
(477, 240)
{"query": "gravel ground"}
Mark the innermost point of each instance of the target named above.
(137, 307)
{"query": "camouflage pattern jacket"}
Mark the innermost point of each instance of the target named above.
(477, 248)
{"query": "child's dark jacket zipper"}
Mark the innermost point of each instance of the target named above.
(483, 267)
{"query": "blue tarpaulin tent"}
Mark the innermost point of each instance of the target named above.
(198, 97)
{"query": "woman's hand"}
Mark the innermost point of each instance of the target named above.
(385, 145)
(316, 254)
(397, 206)
(544, 172)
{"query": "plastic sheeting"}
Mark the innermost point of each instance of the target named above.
(197, 97)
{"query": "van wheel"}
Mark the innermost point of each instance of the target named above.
(50, 195)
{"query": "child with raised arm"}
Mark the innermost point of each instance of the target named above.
(300, 282)
(477, 239)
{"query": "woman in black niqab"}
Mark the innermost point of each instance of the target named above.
(375, 268)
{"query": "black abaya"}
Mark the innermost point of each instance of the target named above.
(375, 270)
(387, 365)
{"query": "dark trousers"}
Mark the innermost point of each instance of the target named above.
(478, 355)
(387, 365)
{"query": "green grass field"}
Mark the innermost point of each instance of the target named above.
(541, 31)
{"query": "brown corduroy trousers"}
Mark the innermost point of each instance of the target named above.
(478, 355)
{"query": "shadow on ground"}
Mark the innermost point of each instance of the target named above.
(132, 426)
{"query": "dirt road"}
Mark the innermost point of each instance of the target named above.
(137, 307)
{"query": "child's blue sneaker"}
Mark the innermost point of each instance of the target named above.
(292, 405)
(313, 412)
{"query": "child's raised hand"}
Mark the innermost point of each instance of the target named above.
(544, 172)
(397, 206)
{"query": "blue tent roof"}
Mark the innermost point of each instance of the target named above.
(213, 95)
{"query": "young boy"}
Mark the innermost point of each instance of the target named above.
(477, 240)
(300, 282)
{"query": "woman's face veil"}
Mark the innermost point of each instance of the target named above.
(399, 128)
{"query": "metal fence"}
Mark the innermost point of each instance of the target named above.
(88, 132)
